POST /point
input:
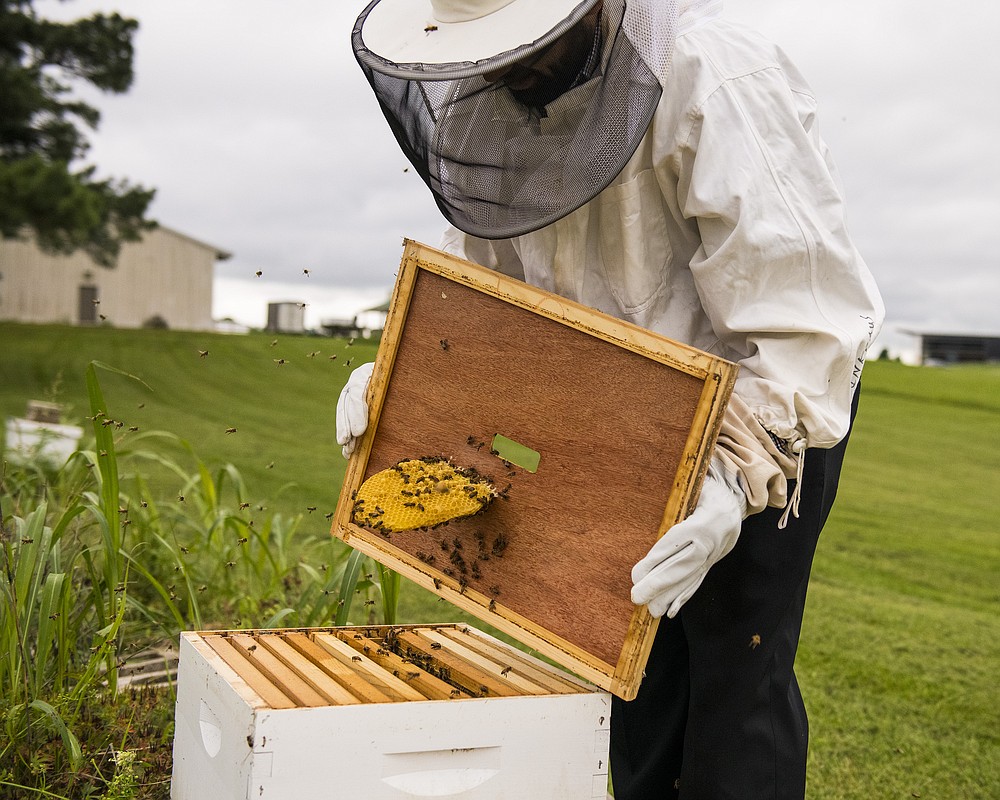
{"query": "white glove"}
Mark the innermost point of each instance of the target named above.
(677, 564)
(352, 408)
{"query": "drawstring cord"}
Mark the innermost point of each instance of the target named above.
(799, 451)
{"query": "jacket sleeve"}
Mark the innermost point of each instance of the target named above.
(785, 290)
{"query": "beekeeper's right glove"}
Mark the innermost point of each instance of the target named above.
(679, 561)
(352, 408)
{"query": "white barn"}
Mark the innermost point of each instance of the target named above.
(163, 280)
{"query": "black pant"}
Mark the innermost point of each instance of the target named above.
(719, 715)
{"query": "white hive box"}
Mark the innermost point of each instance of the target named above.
(333, 713)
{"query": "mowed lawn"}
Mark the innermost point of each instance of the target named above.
(900, 652)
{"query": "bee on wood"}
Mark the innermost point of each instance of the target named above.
(493, 606)
(355, 658)
(435, 645)
(444, 345)
(437, 583)
(505, 671)
(499, 544)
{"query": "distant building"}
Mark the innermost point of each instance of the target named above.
(364, 324)
(286, 317)
(164, 280)
(371, 319)
(950, 348)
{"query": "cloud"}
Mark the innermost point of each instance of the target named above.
(257, 127)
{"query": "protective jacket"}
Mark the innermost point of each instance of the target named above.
(726, 230)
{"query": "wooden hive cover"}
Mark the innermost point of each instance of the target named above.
(623, 421)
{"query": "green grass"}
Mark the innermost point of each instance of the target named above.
(284, 413)
(900, 650)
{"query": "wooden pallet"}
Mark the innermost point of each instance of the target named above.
(621, 421)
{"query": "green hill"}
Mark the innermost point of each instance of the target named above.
(901, 647)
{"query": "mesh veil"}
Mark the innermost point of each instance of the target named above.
(500, 168)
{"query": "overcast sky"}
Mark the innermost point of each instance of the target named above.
(260, 134)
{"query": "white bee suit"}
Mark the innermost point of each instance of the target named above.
(726, 230)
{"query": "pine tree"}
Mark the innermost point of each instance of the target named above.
(46, 189)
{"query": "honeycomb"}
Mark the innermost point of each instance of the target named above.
(420, 493)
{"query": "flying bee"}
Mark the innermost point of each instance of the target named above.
(202, 353)
(755, 641)
(230, 564)
(430, 29)
(505, 671)
(279, 361)
(258, 273)
(230, 430)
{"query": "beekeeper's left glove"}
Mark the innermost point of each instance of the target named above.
(352, 408)
(677, 564)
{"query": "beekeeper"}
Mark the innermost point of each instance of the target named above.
(664, 166)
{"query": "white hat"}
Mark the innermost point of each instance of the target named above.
(456, 31)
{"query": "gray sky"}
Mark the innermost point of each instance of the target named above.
(261, 136)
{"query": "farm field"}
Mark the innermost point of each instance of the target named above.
(900, 650)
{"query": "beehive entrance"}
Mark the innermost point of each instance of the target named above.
(381, 664)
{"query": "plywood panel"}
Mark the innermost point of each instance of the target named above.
(622, 420)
